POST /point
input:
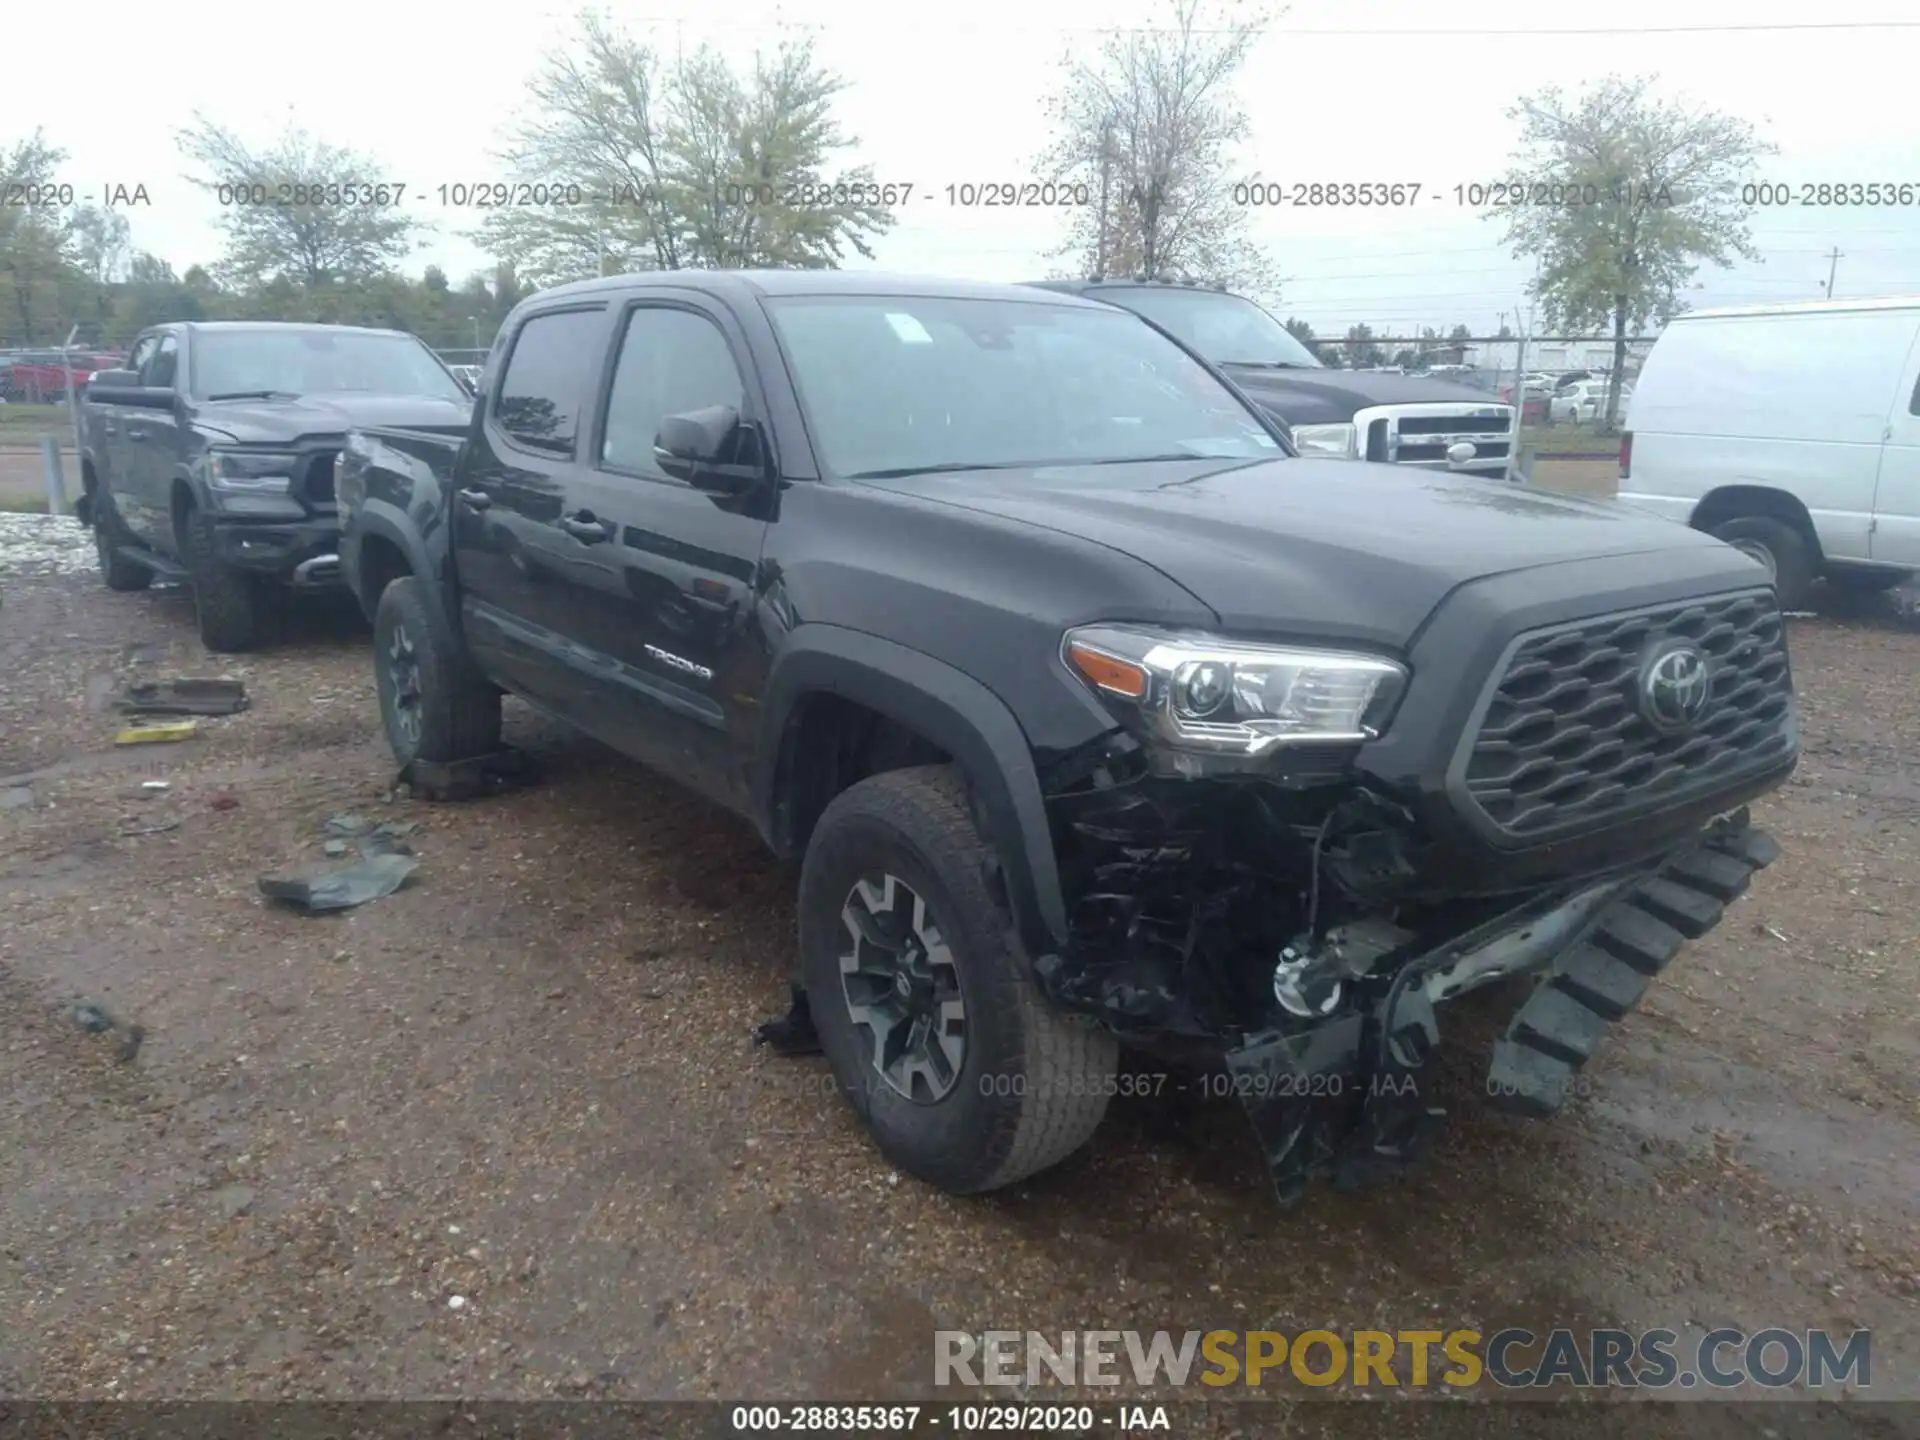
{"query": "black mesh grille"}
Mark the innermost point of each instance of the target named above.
(317, 484)
(1455, 424)
(1563, 746)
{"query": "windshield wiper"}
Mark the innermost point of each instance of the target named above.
(257, 395)
(1265, 364)
(901, 472)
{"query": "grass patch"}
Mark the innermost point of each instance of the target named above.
(23, 505)
(1569, 440)
(16, 416)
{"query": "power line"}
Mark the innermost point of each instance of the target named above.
(918, 24)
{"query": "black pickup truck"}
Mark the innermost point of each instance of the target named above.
(1093, 714)
(209, 458)
(1419, 420)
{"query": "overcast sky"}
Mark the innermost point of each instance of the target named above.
(1381, 90)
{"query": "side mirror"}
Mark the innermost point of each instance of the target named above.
(710, 449)
(123, 387)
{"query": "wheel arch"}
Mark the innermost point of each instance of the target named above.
(1733, 502)
(379, 547)
(938, 704)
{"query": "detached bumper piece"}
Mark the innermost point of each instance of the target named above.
(1343, 1100)
(1597, 981)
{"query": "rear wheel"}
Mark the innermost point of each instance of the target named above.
(925, 1005)
(109, 534)
(433, 704)
(227, 603)
(1779, 547)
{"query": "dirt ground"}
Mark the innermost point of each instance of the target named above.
(525, 1082)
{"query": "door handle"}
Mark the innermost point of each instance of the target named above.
(135, 433)
(476, 499)
(106, 428)
(585, 528)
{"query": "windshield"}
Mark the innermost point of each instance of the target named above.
(1226, 329)
(317, 362)
(899, 384)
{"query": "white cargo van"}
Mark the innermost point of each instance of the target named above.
(1790, 431)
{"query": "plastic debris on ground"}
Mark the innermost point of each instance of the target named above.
(168, 730)
(467, 779)
(317, 892)
(96, 1020)
(185, 696)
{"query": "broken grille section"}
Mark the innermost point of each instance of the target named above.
(1563, 745)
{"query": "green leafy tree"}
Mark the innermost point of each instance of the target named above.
(152, 295)
(1362, 350)
(1148, 124)
(688, 164)
(34, 265)
(321, 243)
(1668, 179)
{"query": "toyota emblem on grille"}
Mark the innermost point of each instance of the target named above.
(1675, 685)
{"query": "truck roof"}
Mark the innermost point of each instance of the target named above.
(1804, 307)
(809, 282)
(219, 325)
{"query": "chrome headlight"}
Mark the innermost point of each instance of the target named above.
(1204, 693)
(250, 472)
(1336, 442)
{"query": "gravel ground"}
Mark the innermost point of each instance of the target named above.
(503, 1134)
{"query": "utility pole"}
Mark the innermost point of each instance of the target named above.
(1519, 391)
(1833, 263)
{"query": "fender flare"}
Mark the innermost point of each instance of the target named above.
(952, 710)
(382, 519)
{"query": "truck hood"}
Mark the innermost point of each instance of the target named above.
(264, 422)
(1312, 548)
(1332, 397)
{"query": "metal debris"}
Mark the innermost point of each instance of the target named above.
(185, 696)
(317, 893)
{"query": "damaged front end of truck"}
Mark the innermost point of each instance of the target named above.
(1297, 916)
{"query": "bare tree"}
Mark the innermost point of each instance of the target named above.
(1658, 186)
(687, 164)
(1148, 125)
(300, 210)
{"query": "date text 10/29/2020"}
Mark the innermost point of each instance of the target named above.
(508, 195)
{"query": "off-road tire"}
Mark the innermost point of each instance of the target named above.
(458, 711)
(1033, 1083)
(1792, 563)
(227, 603)
(109, 534)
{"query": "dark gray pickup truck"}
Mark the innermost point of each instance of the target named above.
(1092, 713)
(209, 458)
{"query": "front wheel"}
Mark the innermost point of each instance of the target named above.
(226, 602)
(434, 705)
(925, 1005)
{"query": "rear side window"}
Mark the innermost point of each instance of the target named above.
(554, 361)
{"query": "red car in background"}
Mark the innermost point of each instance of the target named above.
(29, 377)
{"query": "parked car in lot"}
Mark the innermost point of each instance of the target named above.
(1583, 402)
(1378, 414)
(1093, 713)
(1790, 431)
(209, 457)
